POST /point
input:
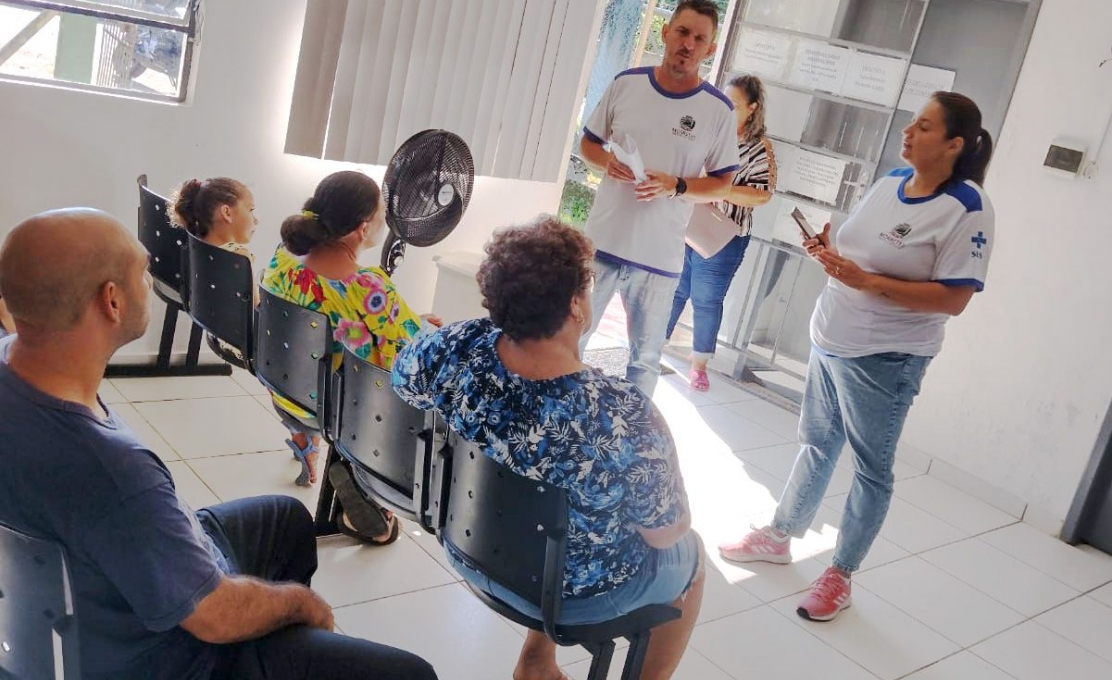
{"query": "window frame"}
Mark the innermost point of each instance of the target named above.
(186, 26)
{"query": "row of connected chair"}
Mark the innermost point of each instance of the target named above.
(506, 526)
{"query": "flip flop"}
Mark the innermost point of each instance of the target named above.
(699, 380)
(368, 518)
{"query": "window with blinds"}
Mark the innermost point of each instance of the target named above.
(505, 75)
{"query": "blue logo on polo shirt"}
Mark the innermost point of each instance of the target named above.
(979, 240)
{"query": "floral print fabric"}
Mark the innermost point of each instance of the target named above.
(598, 437)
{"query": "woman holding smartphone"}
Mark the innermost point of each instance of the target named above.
(705, 280)
(911, 255)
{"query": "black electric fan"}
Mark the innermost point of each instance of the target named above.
(426, 189)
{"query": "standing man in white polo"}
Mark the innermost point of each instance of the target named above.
(683, 128)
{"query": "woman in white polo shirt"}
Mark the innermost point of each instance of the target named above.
(911, 255)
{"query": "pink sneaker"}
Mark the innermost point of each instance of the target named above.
(759, 545)
(829, 595)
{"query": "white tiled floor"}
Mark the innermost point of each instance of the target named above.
(954, 589)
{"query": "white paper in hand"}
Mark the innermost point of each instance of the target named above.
(625, 150)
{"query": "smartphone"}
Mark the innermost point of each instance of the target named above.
(805, 227)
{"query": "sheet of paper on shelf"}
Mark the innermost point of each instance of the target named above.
(922, 81)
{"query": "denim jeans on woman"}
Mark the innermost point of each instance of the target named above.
(705, 280)
(864, 400)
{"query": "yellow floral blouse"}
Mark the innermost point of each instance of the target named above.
(368, 315)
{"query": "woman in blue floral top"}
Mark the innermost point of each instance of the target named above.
(515, 385)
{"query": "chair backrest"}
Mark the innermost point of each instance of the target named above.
(375, 429)
(293, 352)
(510, 528)
(38, 628)
(162, 239)
(221, 294)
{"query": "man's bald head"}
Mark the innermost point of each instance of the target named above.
(53, 265)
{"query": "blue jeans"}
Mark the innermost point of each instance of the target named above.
(661, 579)
(864, 400)
(706, 280)
(645, 296)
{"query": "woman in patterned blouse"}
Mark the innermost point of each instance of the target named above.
(317, 267)
(515, 385)
(706, 280)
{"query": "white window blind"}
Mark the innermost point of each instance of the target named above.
(502, 74)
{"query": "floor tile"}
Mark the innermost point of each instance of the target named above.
(190, 487)
(447, 626)
(949, 606)
(429, 544)
(1085, 622)
(769, 416)
(1080, 569)
(673, 390)
(721, 598)
(165, 389)
(693, 666)
(144, 432)
(256, 474)
(736, 432)
(776, 460)
(267, 402)
(770, 582)
(1000, 576)
(882, 551)
(351, 572)
(248, 382)
(952, 506)
(961, 666)
(109, 394)
(1103, 594)
(199, 428)
(915, 530)
(884, 640)
(760, 643)
(1032, 652)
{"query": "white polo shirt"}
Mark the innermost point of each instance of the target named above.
(946, 237)
(681, 134)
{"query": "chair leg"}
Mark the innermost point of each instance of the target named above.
(166, 344)
(601, 656)
(327, 507)
(635, 658)
(193, 354)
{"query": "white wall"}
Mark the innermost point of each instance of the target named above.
(62, 148)
(1025, 378)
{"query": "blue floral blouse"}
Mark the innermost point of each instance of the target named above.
(598, 437)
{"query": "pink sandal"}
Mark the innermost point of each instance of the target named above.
(699, 380)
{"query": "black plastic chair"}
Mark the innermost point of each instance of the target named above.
(36, 610)
(165, 243)
(293, 355)
(221, 300)
(514, 530)
(372, 428)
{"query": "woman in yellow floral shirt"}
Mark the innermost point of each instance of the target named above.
(317, 267)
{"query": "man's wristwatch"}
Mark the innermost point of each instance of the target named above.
(681, 187)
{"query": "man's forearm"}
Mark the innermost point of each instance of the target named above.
(244, 608)
(596, 156)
